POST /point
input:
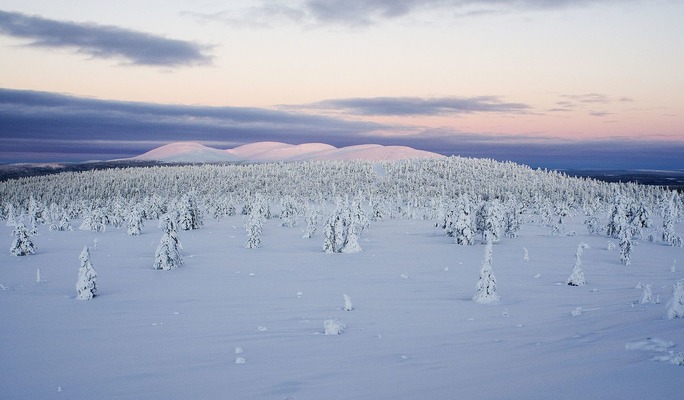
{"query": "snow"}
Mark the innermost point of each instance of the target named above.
(186, 152)
(249, 323)
(191, 152)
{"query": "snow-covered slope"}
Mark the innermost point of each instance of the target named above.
(275, 151)
(186, 152)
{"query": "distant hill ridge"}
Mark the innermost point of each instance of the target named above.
(192, 152)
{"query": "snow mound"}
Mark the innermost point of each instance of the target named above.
(191, 152)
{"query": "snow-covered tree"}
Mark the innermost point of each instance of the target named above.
(167, 256)
(35, 212)
(95, 220)
(378, 211)
(486, 286)
(561, 211)
(576, 277)
(513, 217)
(10, 215)
(62, 224)
(463, 229)
(86, 287)
(489, 220)
(675, 306)
(669, 218)
(639, 218)
(289, 211)
(592, 224)
(254, 227)
(311, 215)
(189, 213)
(342, 229)
(626, 245)
(617, 220)
(22, 244)
(647, 294)
(135, 220)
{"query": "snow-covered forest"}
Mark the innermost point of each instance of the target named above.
(469, 278)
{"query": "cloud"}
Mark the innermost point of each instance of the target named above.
(356, 13)
(417, 106)
(54, 123)
(43, 127)
(103, 41)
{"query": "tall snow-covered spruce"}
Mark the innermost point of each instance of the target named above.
(486, 286)
(168, 255)
(576, 277)
(86, 287)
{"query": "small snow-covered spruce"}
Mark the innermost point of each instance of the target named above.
(647, 294)
(675, 306)
(463, 229)
(168, 255)
(526, 254)
(189, 213)
(513, 217)
(135, 221)
(86, 285)
(22, 244)
(626, 246)
(486, 286)
(561, 210)
(312, 214)
(592, 224)
(63, 223)
(617, 220)
(254, 226)
(347, 303)
(576, 277)
(289, 211)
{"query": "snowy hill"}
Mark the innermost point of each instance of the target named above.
(186, 152)
(190, 152)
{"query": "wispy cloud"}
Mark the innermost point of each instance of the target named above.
(418, 106)
(104, 41)
(357, 13)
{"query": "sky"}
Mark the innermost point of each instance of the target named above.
(548, 83)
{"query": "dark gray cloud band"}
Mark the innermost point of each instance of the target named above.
(47, 127)
(102, 41)
(417, 106)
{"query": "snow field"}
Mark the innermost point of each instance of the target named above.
(173, 334)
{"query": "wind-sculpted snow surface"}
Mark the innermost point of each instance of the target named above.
(268, 321)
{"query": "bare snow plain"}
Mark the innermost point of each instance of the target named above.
(237, 323)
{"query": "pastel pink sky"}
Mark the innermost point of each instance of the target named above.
(581, 69)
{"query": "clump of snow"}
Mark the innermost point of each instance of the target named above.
(675, 306)
(333, 327)
(347, 303)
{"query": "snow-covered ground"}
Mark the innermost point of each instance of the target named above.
(236, 323)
